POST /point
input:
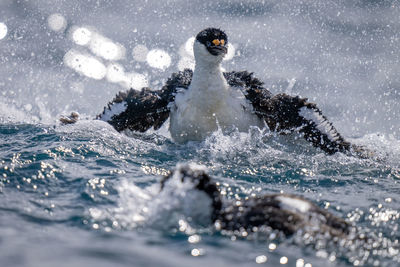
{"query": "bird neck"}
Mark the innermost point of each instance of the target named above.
(208, 76)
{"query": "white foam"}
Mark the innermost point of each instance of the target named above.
(177, 206)
(9, 113)
(181, 201)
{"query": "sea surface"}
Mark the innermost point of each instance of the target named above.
(86, 195)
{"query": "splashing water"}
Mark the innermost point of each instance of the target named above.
(91, 195)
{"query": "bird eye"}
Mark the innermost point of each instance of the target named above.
(208, 43)
(216, 42)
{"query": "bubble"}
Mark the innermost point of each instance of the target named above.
(57, 22)
(158, 59)
(85, 64)
(106, 48)
(3, 30)
(81, 36)
(139, 53)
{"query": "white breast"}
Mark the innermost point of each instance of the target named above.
(209, 102)
(200, 110)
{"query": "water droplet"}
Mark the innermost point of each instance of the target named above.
(3, 30)
(81, 36)
(158, 59)
(194, 239)
(283, 260)
(57, 22)
(261, 259)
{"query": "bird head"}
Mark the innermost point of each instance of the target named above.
(211, 44)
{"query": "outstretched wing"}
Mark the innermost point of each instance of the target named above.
(283, 112)
(287, 113)
(141, 110)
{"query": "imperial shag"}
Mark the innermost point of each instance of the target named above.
(286, 213)
(199, 101)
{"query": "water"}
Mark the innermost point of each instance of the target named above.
(86, 195)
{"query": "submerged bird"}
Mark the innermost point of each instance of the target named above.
(199, 102)
(286, 213)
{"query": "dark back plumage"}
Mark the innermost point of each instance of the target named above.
(268, 210)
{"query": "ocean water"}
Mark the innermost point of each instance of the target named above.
(84, 194)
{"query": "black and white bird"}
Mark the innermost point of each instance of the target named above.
(287, 213)
(199, 102)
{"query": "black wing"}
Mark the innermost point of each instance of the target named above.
(141, 110)
(286, 113)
